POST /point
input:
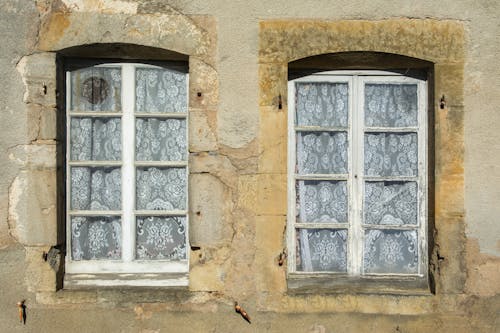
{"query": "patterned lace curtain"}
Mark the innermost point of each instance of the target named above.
(322, 152)
(325, 151)
(391, 203)
(99, 138)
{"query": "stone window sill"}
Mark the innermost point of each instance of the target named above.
(123, 280)
(341, 284)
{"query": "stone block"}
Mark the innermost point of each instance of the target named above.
(273, 140)
(216, 164)
(273, 83)
(62, 29)
(33, 121)
(247, 192)
(451, 242)
(34, 157)
(449, 195)
(284, 41)
(38, 72)
(203, 84)
(269, 243)
(449, 79)
(449, 141)
(33, 207)
(207, 226)
(202, 126)
(206, 277)
(48, 124)
(40, 276)
(272, 194)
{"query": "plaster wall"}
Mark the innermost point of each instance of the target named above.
(238, 57)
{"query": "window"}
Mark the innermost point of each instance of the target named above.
(127, 171)
(357, 175)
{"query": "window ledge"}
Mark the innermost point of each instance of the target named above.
(112, 280)
(336, 284)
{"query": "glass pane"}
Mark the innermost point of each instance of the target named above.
(321, 250)
(160, 139)
(391, 105)
(391, 154)
(97, 139)
(161, 238)
(322, 104)
(390, 251)
(96, 89)
(390, 203)
(96, 237)
(322, 152)
(161, 188)
(95, 188)
(160, 90)
(322, 201)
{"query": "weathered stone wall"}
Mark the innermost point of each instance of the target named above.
(238, 62)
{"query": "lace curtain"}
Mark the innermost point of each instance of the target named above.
(390, 251)
(95, 188)
(386, 154)
(94, 238)
(160, 139)
(322, 104)
(322, 250)
(391, 203)
(161, 238)
(161, 188)
(322, 153)
(96, 139)
(391, 154)
(322, 201)
(391, 105)
(160, 90)
(99, 138)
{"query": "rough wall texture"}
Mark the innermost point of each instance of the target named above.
(238, 55)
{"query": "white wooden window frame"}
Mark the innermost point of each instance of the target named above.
(355, 177)
(143, 271)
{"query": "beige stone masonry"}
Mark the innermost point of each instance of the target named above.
(438, 41)
(33, 200)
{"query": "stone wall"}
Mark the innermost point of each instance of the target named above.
(238, 64)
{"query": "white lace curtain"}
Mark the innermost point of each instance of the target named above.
(99, 138)
(386, 154)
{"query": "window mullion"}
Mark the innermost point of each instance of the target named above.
(128, 156)
(357, 175)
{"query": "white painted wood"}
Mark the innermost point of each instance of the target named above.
(170, 164)
(68, 171)
(321, 225)
(320, 129)
(290, 230)
(355, 177)
(128, 158)
(95, 163)
(97, 114)
(160, 212)
(94, 212)
(169, 115)
(321, 177)
(118, 266)
(128, 165)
